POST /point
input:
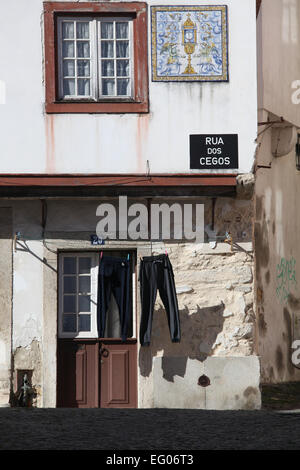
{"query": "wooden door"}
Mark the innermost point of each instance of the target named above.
(118, 378)
(78, 374)
(93, 372)
(97, 374)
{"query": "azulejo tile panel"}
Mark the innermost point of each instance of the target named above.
(189, 43)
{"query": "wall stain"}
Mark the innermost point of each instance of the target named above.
(260, 295)
(50, 143)
(262, 250)
(279, 359)
(258, 206)
(289, 340)
(262, 325)
(141, 141)
(271, 373)
(249, 391)
(293, 302)
(284, 337)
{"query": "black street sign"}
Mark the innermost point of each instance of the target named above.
(214, 152)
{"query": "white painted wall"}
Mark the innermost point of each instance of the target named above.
(28, 276)
(32, 142)
(279, 64)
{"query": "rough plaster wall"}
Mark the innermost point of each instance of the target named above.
(5, 302)
(28, 294)
(215, 299)
(277, 227)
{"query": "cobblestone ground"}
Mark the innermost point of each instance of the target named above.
(160, 429)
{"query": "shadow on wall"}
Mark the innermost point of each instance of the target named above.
(199, 331)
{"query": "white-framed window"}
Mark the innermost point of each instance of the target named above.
(78, 295)
(95, 58)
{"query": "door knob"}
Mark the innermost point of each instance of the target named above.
(104, 352)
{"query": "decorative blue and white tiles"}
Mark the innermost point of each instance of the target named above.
(189, 43)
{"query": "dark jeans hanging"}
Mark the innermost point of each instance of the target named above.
(156, 273)
(114, 277)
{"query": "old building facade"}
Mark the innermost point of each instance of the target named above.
(110, 99)
(276, 191)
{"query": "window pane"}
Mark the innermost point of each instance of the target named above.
(108, 69)
(123, 87)
(83, 49)
(69, 265)
(122, 49)
(123, 68)
(108, 86)
(84, 322)
(122, 30)
(84, 303)
(69, 284)
(83, 86)
(84, 265)
(82, 30)
(107, 49)
(69, 323)
(68, 30)
(107, 30)
(68, 48)
(70, 303)
(69, 68)
(84, 284)
(69, 86)
(83, 68)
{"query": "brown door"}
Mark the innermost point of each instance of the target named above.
(118, 387)
(99, 372)
(94, 374)
(78, 374)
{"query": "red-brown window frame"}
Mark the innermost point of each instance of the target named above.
(140, 103)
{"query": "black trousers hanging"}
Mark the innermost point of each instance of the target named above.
(156, 272)
(114, 277)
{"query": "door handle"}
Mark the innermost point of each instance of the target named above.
(104, 352)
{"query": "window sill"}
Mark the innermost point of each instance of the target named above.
(89, 107)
